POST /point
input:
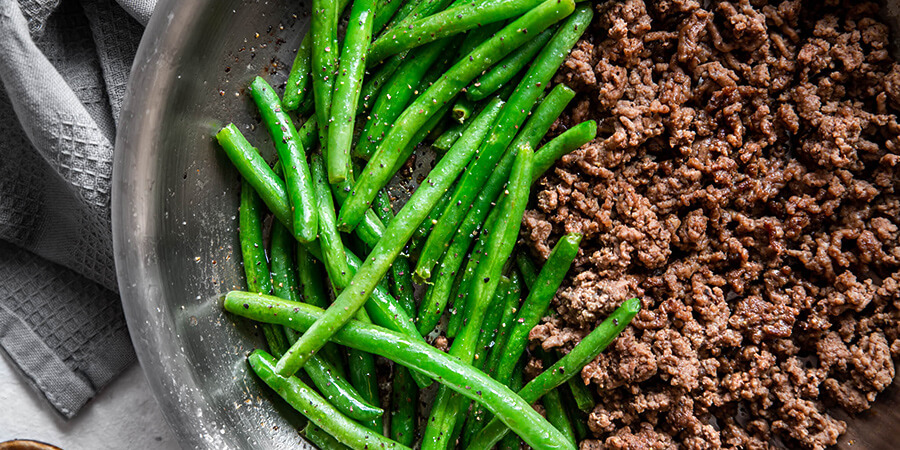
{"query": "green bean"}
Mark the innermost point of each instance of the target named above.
(313, 292)
(477, 36)
(448, 137)
(479, 414)
(379, 259)
(579, 418)
(506, 70)
(293, 159)
(491, 326)
(316, 408)
(284, 276)
(571, 139)
(425, 227)
(333, 254)
(511, 118)
(275, 338)
(387, 312)
(555, 412)
(384, 10)
(325, 54)
(298, 79)
(402, 14)
(456, 19)
(567, 367)
(510, 309)
(339, 392)
(320, 438)
(257, 172)
(511, 441)
(527, 268)
(375, 82)
(383, 163)
(462, 378)
(253, 253)
(544, 115)
(402, 286)
(461, 301)
(582, 396)
(535, 305)
(347, 89)
(364, 379)
(418, 11)
(462, 109)
(404, 399)
(430, 312)
(396, 95)
(490, 329)
(446, 409)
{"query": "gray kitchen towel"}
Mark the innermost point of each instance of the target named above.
(64, 65)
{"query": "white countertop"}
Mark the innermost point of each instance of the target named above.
(123, 415)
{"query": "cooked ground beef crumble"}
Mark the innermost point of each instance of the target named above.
(745, 187)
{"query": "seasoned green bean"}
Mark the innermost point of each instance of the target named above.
(384, 162)
(535, 305)
(339, 392)
(553, 406)
(456, 19)
(567, 367)
(375, 82)
(511, 118)
(490, 330)
(293, 159)
(312, 287)
(256, 266)
(506, 70)
(320, 438)
(298, 79)
(316, 408)
(325, 54)
(479, 415)
(257, 172)
(404, 399)
(462, 109)
(571, 139)
(413, 11)
(401, 274)
(582, 396)
(379, 259)
(527, 268)
(462, 378)
(347, 89)
(284, 277)
(253, 253)
(364, 379)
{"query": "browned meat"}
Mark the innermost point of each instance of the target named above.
(745, 187)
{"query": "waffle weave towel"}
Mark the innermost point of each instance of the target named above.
(64, 65)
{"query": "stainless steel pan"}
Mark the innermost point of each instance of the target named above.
(175, 197)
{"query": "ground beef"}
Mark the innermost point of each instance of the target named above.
(744, 186)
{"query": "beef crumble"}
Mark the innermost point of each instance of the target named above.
(745, 187)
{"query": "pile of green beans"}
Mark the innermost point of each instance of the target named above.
(475, 79)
